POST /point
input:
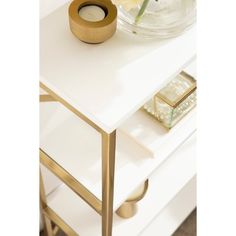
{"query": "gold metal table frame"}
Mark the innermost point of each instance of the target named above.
(104, 207)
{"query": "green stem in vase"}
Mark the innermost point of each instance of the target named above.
(141, 11)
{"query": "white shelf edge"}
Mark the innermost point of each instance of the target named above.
(174, 214)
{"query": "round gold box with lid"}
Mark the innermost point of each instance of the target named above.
(129, 208)
(95, 31)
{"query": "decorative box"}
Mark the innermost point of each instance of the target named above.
(173, 101)
(129, 208)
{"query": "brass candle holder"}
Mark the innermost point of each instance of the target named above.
(93, 31)
(129, 208)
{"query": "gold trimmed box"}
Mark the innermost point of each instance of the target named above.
(174, 100)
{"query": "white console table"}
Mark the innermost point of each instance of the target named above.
(95, 138)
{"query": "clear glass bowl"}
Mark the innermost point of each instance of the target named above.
(161, 19)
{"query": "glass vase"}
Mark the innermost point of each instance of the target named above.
(156, 18)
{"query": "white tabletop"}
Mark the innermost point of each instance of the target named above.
(108, 82)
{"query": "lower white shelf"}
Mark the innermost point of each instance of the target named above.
(51, 182)
(173, 215)
(165, 183)
(152, 136)
(147, 132)
(77, 147)
(63, 138)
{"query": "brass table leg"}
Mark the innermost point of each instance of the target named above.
(48, 230)
(108, 166)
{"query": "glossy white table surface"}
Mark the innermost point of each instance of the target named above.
(108, 82)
